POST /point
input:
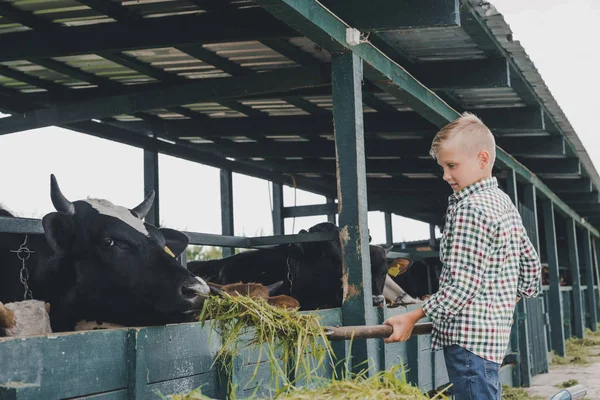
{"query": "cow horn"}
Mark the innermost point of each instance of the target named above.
(214, 288)
(144, 207)
(274, 287)
(59, 201)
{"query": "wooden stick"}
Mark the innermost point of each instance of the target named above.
(336, 333)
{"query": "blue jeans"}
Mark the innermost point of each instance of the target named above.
(472, 377)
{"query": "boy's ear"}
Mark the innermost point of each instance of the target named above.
(484, 158)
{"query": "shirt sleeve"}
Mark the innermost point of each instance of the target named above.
(466, 258)
(530, 268)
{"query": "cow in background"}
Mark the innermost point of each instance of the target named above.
(312, 271)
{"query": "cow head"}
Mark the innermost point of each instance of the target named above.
(379, 269)
(319, 270)
(122, 269)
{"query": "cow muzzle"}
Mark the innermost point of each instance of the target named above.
(195, 291)
(378, 300)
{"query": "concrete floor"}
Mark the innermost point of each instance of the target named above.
(589, 376)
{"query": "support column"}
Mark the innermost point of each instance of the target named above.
(530, 197)
(432, 236)
(151, 183)
(591, 294)
(277, 213)
(330, 217)
(227, 209)
(578, 317)
(554, 303)
(357, 308)
(519, 335)
(389, 233)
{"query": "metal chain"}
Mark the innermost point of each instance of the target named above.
(23, 253)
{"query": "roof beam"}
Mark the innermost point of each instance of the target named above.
(191, 153)
(511, 120)
(581, 185)
(463, 74)
(317, 23)
(410, 148)
(400, 123)
(567, 167)
(368, 16)
(322, 149)
(534, 147)
(250, 24)
(587, 198)
(184, 93)
(374, 166)
(482, 74)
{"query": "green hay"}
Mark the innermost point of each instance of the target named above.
(514, 393)
(385, 385)
(295, 344)
(577, 352)
(567, 384)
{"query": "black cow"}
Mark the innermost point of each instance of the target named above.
(422, 278)
(312, 271)
(102, 262)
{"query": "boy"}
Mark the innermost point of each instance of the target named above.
(488, 265)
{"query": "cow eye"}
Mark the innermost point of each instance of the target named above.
(108, 242)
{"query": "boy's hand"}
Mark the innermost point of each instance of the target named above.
(403, 325)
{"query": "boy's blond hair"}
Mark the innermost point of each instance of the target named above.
(473, 133)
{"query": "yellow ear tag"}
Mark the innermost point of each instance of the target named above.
(394, 270)
(169, 252)
(398, 267)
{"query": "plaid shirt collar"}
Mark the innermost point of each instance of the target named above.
(484, 184)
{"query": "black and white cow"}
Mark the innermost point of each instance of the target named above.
(102, 262)
(312, 271)
(422, 278)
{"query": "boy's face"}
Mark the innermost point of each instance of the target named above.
(461, 167)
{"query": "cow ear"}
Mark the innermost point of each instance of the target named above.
(63, 234)
(176, 241)
(299, 247)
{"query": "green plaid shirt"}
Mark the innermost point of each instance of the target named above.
(488, 261)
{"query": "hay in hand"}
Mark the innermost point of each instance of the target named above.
(385, 385)
(295, 344)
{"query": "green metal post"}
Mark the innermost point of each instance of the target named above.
(330, 217)
(591, 294)
(554, 295)
(530, 198)
(227, 208)
(389, 234)
(357, 308)
(578, 316)
(277, 213)
(151, 183)
(518, 336)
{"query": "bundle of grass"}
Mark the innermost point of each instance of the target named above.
(577, 351)
(515, 393)
(385, 385)
(295, 344)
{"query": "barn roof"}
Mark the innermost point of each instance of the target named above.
(246, 86)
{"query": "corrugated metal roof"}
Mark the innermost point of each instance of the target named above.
(164, 65)
(501, 30)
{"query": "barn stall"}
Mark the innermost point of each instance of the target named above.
(338, 98)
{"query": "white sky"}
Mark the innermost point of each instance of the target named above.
(559, 37)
